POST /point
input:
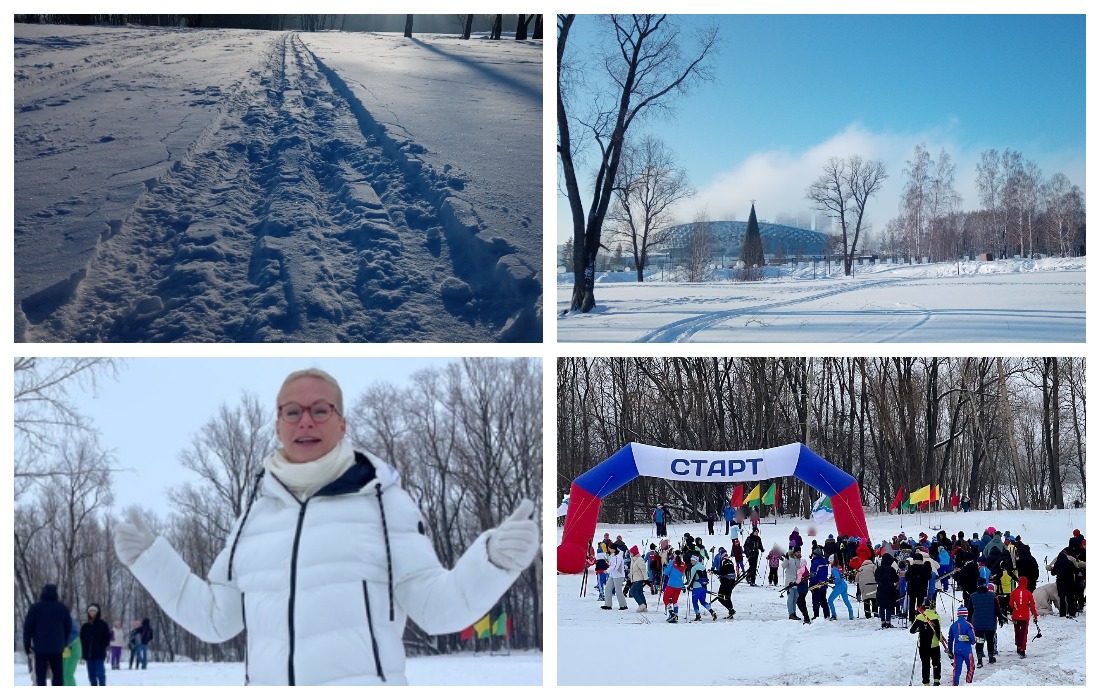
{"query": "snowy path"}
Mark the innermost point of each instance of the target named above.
(291, 215)
(1006, 302)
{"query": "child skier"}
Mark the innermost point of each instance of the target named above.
(697, 582)
(1022, 602)
(674, 581)
(775, 557)
(960, 645)
(738, 554)
(926, 626)
(727, 577)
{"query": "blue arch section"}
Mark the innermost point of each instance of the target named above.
(609, 475)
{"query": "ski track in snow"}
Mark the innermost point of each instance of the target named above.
(292, 217)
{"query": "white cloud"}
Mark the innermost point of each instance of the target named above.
(778, 179)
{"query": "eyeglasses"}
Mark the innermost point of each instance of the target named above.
(321, 411)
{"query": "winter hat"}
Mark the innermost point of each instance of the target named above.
(606, 536)
(990, 587)
(1076, 533)
(963, 612)
(694, 557)
(634, 550)
(982, 581)
(990, 530)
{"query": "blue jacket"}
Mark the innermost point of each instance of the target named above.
(819, 570)
(728, 513)
(960, 640)
(698, 575)
(659, 515)
(984, 610)
(675, 576)
(838, 578)
(48, 624)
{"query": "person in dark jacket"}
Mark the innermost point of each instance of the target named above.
(886, 576)
(927, 626)
(1064, 568)
(819, 575)
(966, 578)
(985, 613)
(754, 546)
(145, 636)
(727, 579)
(95, 638)
(46, 631)
(917, 578)
(1026, 564)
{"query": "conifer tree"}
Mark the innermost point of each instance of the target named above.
(752, 250)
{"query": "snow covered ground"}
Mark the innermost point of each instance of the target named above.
(214, 185)
(519, 668)
(1031, 301)
(760, 646)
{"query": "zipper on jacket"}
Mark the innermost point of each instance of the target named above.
(373, 636)
(293, 592)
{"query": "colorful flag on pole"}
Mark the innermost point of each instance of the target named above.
(502, 626)
(466, 634)
(482, 627)
(738, 498)
(754, 496)
(822, 510)
(920, 495)
(897, 499)
(778, 491)
(769, 497)
(906, 505)
(935, 494)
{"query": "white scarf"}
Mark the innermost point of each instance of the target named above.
(307, 478)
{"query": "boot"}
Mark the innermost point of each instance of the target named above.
(792, 616)
(1023, 654)
(699, 618)
(992, 659)
(980, 664)
(642, 608)
(714, 615)
(936, 681)
(806, 621)
(673, 617)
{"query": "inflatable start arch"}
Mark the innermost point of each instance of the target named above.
(634, 460)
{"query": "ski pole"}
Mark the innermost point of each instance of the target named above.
(914, 671)
(1038, 632)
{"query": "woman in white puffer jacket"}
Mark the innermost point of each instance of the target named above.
(325, 566)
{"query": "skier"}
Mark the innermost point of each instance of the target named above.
(738, 556)
(728, 514)
(655, 566)
(775, 557)
(985, 612)
(754, 547)
(791, 561)
(727, 579)
(840, 588)
(819, 574)
(697, 582)
(916, 580)
(674, 581)
(960, 647)
(1022, 603)
(802, 580)
(929, 637)
(639, 575)
(659, 517)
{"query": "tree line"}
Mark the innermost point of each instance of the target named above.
(526, 26)
(1009, 432)
(467, 439)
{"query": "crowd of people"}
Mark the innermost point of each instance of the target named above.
(55, 643)
(992, 578)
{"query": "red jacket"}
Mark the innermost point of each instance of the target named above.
(1022, 602)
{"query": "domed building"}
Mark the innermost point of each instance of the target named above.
(789, 242)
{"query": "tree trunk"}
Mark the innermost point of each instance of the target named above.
(408, 26)
(468, 26)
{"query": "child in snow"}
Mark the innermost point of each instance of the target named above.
(697, 582)
(738, 556)
(1022, 602)
(727, 577)
(674, 581)
(960, 647)
(775, 557)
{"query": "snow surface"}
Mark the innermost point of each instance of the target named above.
(518, 668)
(213, 185)
(967, 302)
(760, 646)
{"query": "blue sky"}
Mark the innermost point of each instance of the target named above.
(793, 90)
(157, 405)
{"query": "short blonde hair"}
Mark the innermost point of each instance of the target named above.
(316, 374)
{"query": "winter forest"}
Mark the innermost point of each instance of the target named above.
(1008, 432)
(466, 437)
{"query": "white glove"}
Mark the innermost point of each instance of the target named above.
(132, 538)
(514, 543)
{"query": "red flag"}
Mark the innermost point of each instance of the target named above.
(467, 633)
(738, 497)
(897, 499)
(778, 488)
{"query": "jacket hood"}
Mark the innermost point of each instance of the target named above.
(1023, 582)
(49, 592)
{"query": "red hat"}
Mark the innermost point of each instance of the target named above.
(606, 536)
(634, 550)
(1076, 533)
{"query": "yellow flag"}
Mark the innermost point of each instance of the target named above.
(920, 495)
(482, 627)
(754, 495)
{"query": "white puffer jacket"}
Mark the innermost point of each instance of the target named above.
(324, 586)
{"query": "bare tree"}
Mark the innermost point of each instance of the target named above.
(643, 73)
(700, 245)
(467, 26)
(408, 26)
(650, 183)
(842, 192)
